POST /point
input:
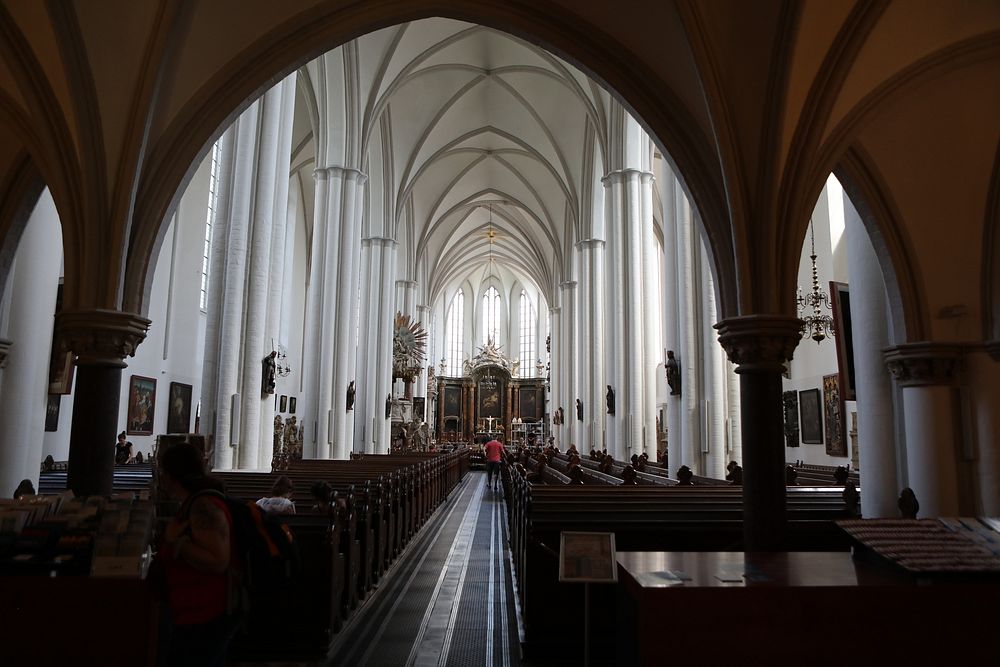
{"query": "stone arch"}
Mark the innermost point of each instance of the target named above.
(172, 160)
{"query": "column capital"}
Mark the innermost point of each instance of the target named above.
(620, 175)
(406, 283)
(101, 337)
(555, 309)
(379, 240)
(322, 173)
(590, 243)
(759, 342)
(923, 364)
(993, 349)
(567, 284)
(4, 351)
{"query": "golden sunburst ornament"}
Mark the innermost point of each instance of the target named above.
(409, 341)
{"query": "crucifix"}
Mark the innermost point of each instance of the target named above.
(490, 421)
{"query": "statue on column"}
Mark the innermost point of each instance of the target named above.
(557, 416)
(673, 374)
(350, 396)
(388, 405)
(269, 366)
(279, 457)
(611, 400)
(579, 410)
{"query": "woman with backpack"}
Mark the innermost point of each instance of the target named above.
(196, 557)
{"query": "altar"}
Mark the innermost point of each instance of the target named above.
(486, 400)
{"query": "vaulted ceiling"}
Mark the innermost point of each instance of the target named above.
(465, 129)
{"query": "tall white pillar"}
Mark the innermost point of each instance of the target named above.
(571, 353)
(983, 396)
(873, 384)
(926, 372)
(672, 197)
(35, 279)
(689, 353)
(332, 315)
(592, 337)
(713, 409)
(378, 258)
(420, 388)
(556, 388)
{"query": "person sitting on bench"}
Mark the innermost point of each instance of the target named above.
(280, 500)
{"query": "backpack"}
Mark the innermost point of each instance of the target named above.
(266, 555)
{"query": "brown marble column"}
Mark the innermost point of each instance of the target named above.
(759, 345)
(100, 339)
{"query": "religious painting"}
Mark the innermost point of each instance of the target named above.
(489, 399)
(835, 444)
(528, 403)
(52, 412)
(811, 417)
(291, 405)
(790, 401)
(845, 340)
(452, 401)
(141, 405)
(283, 403)
(61, 363)
(418, 408)
(179, 408)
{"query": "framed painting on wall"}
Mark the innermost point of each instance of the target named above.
(841, 297)
(179, 408)
(811, 417)
(141, 405)
(283, 403)
(52, 413)
(419, 407)
(291, 405)
(834, 422)
(452, 401)
(790, 401)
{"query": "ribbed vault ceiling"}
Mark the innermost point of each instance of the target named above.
(462, 124)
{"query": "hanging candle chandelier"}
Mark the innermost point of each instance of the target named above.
(816, 323)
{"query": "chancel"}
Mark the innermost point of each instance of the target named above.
(347, 251)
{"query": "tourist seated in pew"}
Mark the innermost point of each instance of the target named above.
(684, 476)
(25, 488)
(280, 500)
(124, 451)
(791, 475)
(575, 475)
(629, 476)
(49, 464)
(852, 499)
(840, 475)
(735, 475)
(643, 460)
(322, 493)
(138, 457)
(572, 449)
(605, 465)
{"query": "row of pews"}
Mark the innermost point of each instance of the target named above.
(380, 503)
(128, 478)
(655, 515)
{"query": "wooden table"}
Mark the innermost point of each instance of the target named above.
(801, 608)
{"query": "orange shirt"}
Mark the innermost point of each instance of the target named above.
(493, 449)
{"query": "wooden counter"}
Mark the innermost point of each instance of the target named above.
(806, 608)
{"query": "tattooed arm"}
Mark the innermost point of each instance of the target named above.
(208, 548)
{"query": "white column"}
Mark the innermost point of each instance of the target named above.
(35, 279)
(556, 388)
(926, 373)
(672, 209)
(569, 363)
(228, 275)
(378, 257)
(652, 318)
(714, 390)
(420, 389)
(592, 337)
(688, 354)
(873, 384)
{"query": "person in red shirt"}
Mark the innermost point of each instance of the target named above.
(493, 450)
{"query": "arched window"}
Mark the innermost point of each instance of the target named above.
(527, 317)
(454, 329)
(213, 184)
(491, 309)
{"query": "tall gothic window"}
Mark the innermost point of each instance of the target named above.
(491, 308)
(528, 323)
(213, 182)
(453, 337)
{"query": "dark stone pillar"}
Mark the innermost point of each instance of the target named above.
(760, 345)
(101, 339)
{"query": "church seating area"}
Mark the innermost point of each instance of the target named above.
(651, 517)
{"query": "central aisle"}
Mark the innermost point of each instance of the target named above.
(450, 602)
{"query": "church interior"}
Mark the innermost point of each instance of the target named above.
(742, 257)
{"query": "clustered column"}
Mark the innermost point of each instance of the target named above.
(246, 278)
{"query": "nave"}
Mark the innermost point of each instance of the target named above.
(449, 601)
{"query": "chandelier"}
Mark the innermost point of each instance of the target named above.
(815, 323)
